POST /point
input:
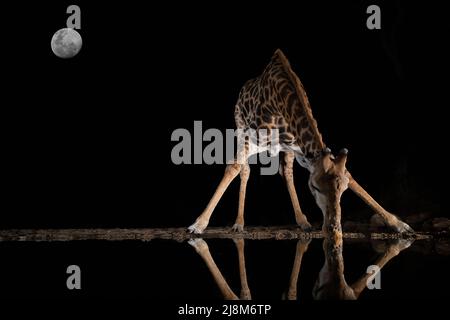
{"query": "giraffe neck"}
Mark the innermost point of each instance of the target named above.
(282, 88)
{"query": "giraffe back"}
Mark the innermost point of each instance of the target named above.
(277, 100)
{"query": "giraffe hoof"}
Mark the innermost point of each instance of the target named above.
(402, 227)
(237, 227)
(197, 227)
(199, 244)
(398, 246)
(245, 294)
(402, 244)
(395, 224)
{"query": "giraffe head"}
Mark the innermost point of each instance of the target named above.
(327, 182)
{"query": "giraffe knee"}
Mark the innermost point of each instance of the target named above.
(233, 169)
(289, 158)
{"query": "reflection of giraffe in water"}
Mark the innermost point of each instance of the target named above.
(330, 284)
(276, 100)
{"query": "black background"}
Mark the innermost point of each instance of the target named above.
(86, 141)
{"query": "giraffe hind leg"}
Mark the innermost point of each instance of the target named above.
(231, 171)
(288, 172)
(244, 175)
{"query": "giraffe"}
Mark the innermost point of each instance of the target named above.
(277, 100)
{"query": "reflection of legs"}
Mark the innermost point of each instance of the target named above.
(245, 173)
(202, 221)
(288, 173)
(202, 249)
(245, 291)
(393, 250)
(302, 247)
(390, 219)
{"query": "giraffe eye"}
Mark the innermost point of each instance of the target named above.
(315, 188)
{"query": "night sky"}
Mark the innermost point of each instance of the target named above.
(86, 141)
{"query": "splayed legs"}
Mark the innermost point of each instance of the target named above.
(391, 220)
(231, 171)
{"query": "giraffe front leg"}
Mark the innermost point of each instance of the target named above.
(245, 173)
(202, 221)
(288, 173)
(391, 220)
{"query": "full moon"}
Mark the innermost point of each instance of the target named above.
(66, 43)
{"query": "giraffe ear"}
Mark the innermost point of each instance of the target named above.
(341, 159)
